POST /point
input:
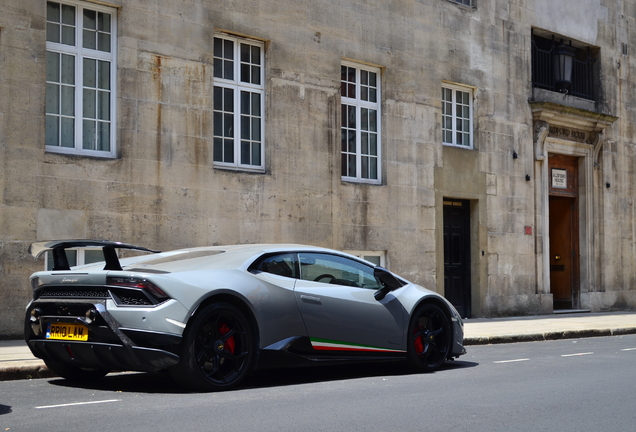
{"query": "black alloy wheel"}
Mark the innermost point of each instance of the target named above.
(429, 338)
(218, 349)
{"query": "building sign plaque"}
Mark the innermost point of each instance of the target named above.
(559, 178)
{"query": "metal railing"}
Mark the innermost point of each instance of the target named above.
(543, 70)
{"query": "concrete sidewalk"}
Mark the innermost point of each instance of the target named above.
(17, 362)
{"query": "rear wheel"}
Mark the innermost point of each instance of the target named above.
(218, 349)
(74, 373)
(430, 337)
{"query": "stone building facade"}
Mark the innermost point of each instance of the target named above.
(482, 148)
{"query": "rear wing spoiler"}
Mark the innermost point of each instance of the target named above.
(60, 262)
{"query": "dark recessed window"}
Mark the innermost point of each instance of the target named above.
(561, 66)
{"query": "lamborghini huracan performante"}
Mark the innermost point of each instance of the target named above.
(212, 315)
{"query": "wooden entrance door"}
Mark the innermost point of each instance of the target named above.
(564, 231)
(457, 254)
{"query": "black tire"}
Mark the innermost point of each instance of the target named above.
(218, 349)
(429, 338)
(74, 373)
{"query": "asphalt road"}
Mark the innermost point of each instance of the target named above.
(565, 385)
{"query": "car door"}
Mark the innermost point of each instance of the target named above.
(335, 297)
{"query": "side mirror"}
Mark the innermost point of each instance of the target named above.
(387, 279)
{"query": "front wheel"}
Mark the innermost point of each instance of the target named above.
(429, 338)
(217, 351)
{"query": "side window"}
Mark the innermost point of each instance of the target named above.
(457, 116)
(239, 94)
(337, 270)
(81, 77)
(360, 123)
(281, 265)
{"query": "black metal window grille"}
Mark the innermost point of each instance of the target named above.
(543, 69)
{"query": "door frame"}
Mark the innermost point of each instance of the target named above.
(466, 252)
(585, 154)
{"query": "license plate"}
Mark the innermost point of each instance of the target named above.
(65, 331)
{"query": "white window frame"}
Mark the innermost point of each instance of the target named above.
(364, 254)
(358, 105)
(454, 88)
(80, 53)
(237, 86)
(468, 3)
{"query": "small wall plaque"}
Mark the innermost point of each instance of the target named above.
(559, 178)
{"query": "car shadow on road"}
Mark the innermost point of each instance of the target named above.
(139, 382)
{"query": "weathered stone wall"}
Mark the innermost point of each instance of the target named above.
(163, 192)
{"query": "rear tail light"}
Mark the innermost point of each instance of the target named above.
(133, 282)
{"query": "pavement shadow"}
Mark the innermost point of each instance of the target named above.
(140, 382)
(5, 409)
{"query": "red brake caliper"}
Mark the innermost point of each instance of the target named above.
(419, 344)
(230, 345)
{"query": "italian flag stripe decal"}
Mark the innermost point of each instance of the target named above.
(330, 345)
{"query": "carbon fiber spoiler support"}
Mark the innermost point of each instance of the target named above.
(58, 247)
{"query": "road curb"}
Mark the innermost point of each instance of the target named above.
(556, 335)
(25, 372)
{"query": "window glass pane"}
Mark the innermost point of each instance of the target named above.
(245, 73)
(90, 73)
(103, 136)
(245, 53)
(52, 66)
(228, 70)
(88, 135)
(228, 100)
(53, 12)
(68, 69)
(52, 130)
(52, 98)
(228, 151)
(68, 15)
(256, 75)
(364, 169)
(52, 32)
(245, 126)
(89, 39)
(103, 75)
(103, 102)
(373, 79)
(103, 22)
(90, 19)
(218, 47)
(256, 154)
(89, 102)
(228, 49)
(218, 149)
(68, 35)
(103, 42)
(68, 101)
(245, 152)
(281, 265)
(67, 138)
(93, 256)
(245, 102)
(336, 270)
(373, 169)
(373, 144)
(256, 129)
(228, 125)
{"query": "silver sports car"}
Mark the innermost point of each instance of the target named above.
(212, 315)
